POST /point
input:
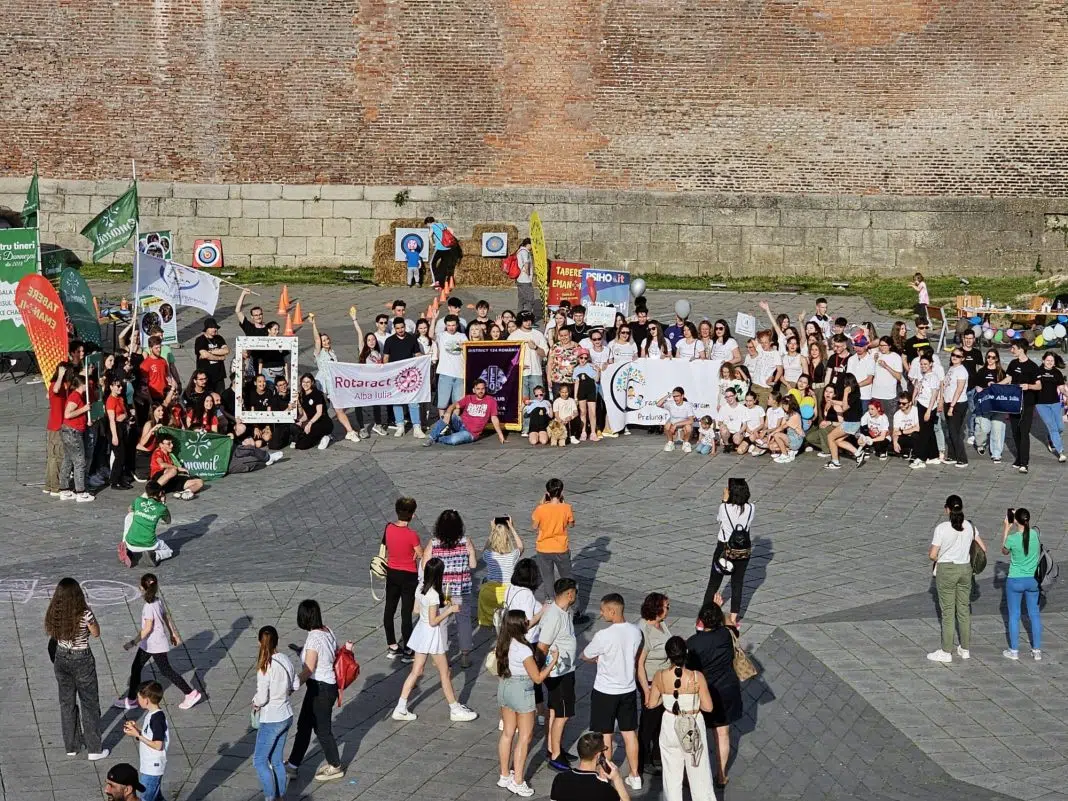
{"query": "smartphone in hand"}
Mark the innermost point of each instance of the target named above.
(1010, 514)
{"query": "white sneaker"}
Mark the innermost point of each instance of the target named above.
(971, 440)
(1037, 654)
(523, 790)
(398, 431)
(940, 656)
(917, 464)
(122, 702)
(276, 456)
(103, 754)
(1010, 653)
(504, 781)
(461, 714)
(633, 782)
(574, 440)
(687, 448)
(418, 432)
(324, 443)
(352, 436)
(66, 495)
(964, 653)
(85, 497)
(379, 430)
(403, 715)
(190, 700)
(669, 447)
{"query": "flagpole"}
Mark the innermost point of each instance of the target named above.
(40, 269)
(137, 252)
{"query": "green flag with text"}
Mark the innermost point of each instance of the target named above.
(113, 227)
(33, 202)
(18, 257)
(204, 455)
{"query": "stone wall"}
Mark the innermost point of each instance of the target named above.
(646, 232)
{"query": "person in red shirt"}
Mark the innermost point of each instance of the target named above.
(465, 420)
(75, 418)
(402, 577)
(57, 400)
(168, 473)
(204, 417)
(118, 425)
(155, 370)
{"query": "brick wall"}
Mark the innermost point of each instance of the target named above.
(693, 233)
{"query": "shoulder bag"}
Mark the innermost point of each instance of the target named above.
(743, 665)
(976, 555)
(379, 566)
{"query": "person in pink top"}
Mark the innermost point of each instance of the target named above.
(465, 420)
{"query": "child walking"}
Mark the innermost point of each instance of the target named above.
(431, 638)
(153, 738)
(154, 641)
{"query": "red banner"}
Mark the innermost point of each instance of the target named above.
(565, 282)
(46, 322)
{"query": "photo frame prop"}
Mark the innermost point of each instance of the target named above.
(244, 347)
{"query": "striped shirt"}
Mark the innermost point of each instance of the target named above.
(81, 639)
(499, 566)
(457, 578)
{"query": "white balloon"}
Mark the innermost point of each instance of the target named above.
(1048, 333)
(637, 287)
(988, 334)
(682, 308)
(977, 330)
(1059, 331)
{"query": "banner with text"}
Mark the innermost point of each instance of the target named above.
(565, 282)
(999, 399)
(394, 384)
(604, 294)
(18, 258)
(45, 320)
(500, 365)
(204, 455)
(184, 286)
(78, 301)
(631, 391)
(113, 227)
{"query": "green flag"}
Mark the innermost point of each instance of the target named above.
(78, 301)
(18, 257)
(113, 227)
(204, 455)
(33, 202)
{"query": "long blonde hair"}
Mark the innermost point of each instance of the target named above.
(500, 539)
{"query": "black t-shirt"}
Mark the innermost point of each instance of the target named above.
(836, 369)
(1050, 379)
(581, 785)
(279, 403)
(972, 361)
(250, 329)
(253, 401)
(914, 347)
(216, 370)
(639, 332)
(1024, 372)
(985, 377)
(399, 349)
(817, 371)
(265, 357)
(853, 411)
(309, 401)
(194, 399)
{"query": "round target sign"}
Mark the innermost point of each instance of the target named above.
(207, 253)
(495, 243)
(411, 242)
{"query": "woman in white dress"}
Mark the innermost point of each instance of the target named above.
(684, 694)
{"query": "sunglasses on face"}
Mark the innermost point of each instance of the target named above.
(956, 355)
(624, 333)
(921, 328)
(595, 339)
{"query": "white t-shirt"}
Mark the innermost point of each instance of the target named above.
(765, 362)
(915, 372)
(558, 629)
(526, 265)
(953, 546)
(733, 417)
(517, 653)
(616, 649)
(598, 358)
(522, 598)
(909, 419)
(652, 349)
(730, 516)
(678, 412)
(824, 324)
(439, 327)
(863, 368)
(949, 384)
(153, 762)
(791, 367)
(451, 353)
(876, 424)
(724, 351)
(754, 417)
(158, 640)
(688, 351)
(885, 386)
(622, 352)
(535, 339)
(325, 646)
(707, 436)
(929, 385)
(775, 415)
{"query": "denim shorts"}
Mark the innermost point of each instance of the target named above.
(794, 440)
(516, 693)
(851, 428)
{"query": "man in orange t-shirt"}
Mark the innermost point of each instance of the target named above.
(552, 518)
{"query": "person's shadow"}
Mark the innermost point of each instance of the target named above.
(201, 654)
(584, 566)
(177, 536)
(757, 572)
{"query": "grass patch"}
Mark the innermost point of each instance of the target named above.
(886, 294)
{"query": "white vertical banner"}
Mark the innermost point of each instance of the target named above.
(631, 391)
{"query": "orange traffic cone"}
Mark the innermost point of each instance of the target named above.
(283, 300)
(443, 296)
(298, 318)
(289, 325)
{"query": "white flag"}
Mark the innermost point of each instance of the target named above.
(179, 284)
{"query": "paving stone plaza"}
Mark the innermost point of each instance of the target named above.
(840, 610)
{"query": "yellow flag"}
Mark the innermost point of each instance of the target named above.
(541, 257)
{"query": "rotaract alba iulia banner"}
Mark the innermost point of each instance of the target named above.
(45, 321)
(394, 384)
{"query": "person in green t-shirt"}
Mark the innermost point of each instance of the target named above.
(1021, 544)
(139, 535)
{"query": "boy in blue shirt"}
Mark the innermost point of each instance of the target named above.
(414, 262)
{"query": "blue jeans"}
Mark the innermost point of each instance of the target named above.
(702, 449)
(992, 428)
(458, 435)
(1016, 590)
(1050, 414)
(153, 787)
(450, 390)
(969, 421)
(267, 758)
(413, 412)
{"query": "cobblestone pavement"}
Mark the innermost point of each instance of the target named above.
(839, 612)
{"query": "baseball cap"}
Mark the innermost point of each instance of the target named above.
(860, 341)
(211, 322)
(125, 774)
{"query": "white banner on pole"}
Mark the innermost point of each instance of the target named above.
(394, 384)
(181, 285)
(745, 325)
(632, 390)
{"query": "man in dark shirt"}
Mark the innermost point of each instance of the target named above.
(252, 325)
(837, 362)
(212, 350)
(914, 346)
(972, 362)
(580, 329)
(1024, 373)
(590, 781)
(272, 363)
(399, 347)
(639, 329)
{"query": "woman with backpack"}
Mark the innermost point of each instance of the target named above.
(734, 546)
(951, 552)
(317, 671)
(683, 742)
(1019, 541)
(273, 713)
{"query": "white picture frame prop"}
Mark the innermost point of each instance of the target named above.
(242, 346)
(404, 238)
(494, 244)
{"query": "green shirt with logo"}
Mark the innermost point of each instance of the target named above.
(147, 513)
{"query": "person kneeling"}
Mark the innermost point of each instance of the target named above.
(139, 529)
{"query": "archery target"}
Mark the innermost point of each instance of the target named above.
(207, 253)
(405, 239)
(494, 244)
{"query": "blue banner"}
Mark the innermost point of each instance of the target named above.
(604, 293)
(999, 399)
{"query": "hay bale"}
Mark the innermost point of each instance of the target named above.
(473, 270)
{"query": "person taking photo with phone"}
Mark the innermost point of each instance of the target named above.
(594, 778)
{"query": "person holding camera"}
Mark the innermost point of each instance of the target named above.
(1019, 542)
(595, 778)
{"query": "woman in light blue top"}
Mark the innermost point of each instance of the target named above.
(1020, 543)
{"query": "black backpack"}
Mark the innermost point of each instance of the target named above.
(1047, 571)
(740, 542)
